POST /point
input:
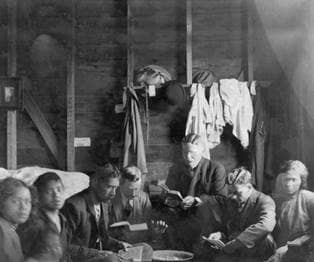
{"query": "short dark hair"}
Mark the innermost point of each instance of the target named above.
(193, 139)
(131, 173)
(239, 176)
(42, 181)
(8, 187)
(107, 172)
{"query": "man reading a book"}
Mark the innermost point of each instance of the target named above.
(131, 204)
(200, 181)
(248, 220)
(87, 212)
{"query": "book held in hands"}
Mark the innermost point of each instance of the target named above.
(132, 227)
(214, 242)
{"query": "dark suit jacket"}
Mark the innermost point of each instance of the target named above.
(80, 214)
(140, 213)
(253, 223)
(212, 179)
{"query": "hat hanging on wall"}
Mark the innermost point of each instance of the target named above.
(152, 75)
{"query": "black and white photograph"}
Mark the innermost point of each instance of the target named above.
(156, 130)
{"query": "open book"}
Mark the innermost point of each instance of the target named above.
(214, 242)
(133, 227)
(176, 195)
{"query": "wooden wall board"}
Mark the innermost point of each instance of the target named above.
(41, 124)
(70, 101)
(189, 43)
(12, 6)
(159, 38)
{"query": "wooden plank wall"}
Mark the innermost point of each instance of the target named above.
(159, 38)
(3, 71)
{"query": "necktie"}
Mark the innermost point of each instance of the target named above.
(128, 209)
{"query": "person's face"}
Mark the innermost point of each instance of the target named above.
(52, 196)
(16, 208)
(130, 189)
(239, 193)
(291, 182)
(192, 154)
(105, 188)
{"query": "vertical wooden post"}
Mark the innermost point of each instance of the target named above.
(12, 69)
(189, 64)
(71, 96)
(248, 40)
(130, 54)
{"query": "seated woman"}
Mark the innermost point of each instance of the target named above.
(15, 207)
(295, 214)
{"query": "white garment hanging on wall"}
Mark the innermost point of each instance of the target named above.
(199, 116)
(217, 122)
(238, 108)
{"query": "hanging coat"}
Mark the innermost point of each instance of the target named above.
(257, 142)
(199, 116)
(132, 131)
(217, 122)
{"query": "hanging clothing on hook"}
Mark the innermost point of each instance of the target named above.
(132, 131)
(217, 122)
(238, 108)
(199, 116)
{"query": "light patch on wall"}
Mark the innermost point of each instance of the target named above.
(82, 142)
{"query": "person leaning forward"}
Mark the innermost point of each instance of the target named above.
(87, 212)
(249, 218)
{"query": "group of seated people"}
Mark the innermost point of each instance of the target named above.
(37, 224)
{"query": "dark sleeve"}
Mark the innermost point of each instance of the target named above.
(77, 252)
(30, 235)
(219, 181)
(73, 216)
(172, 179)
(307, 236)
(265, 223)
(218, 187)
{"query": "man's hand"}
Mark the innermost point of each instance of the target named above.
(158, 227)
(124, 245)
(216, 236)
(105, 253)
(280, 252)
(232, 246)
(187, 202)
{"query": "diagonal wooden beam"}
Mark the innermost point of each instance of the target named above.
(41, 124)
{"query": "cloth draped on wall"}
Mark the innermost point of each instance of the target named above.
(216, 122)
(238, 108)
(257, 141)
(229, 102)
(199, 116)
(132, 131)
